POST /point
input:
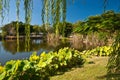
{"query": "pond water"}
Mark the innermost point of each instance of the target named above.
(9, 49)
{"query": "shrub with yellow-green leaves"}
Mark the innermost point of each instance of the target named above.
(99, 51)
(42, 66)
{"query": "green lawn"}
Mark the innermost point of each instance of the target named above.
(93, 69)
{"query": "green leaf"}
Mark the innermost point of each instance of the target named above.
(9, 64)
(56, 66)
(41, 64)
(68, 55)
(3, 75)
(34, 57)
(26, 66)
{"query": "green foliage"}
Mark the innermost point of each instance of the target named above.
(48, 64)
(1, 69)
(78, 27)
(65, 29)
(17, 24)
(28, 4)
(106, 22)
(4, 9)
(99, 51)
(11, 28)
(54, 12)
(114, 60)
(42, 66)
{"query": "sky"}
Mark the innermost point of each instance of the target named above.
(78, 10)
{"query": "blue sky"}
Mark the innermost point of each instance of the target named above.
(78, 10)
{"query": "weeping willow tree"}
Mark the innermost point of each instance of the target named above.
(54, 12)
(4, 9)
(28, 4)
(17, 24)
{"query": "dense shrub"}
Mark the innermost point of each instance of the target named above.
(42, 66)
(99, 51)
(48, 64)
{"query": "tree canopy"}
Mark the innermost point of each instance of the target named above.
(53, 12)
(106, 22)
(10, 29)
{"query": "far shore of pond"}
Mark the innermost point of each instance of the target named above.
(11, 37)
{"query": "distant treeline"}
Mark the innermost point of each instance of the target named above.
(106, 22)
(10, 29)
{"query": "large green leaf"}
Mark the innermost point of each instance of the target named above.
(3, 75)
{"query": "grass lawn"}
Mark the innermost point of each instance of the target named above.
(93, 69)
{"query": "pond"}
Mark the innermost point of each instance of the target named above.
(9, 49)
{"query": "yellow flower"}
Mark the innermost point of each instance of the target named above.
(1, 69)
(43, 54)
(34, 58)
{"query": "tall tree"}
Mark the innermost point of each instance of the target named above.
(28, 10)
(17, 24)
(4, 8)
(54, 12)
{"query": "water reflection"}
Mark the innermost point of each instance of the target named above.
(35, 45)
(10, 50)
